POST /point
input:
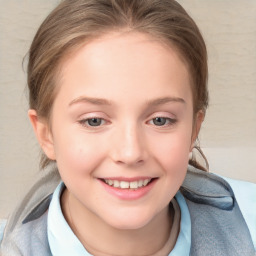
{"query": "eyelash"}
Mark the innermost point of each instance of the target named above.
(84, 122)
(170, 121)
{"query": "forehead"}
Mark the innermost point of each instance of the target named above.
(133, 63)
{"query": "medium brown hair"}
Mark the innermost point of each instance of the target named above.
(73, 22)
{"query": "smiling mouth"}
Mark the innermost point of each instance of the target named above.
(128, 185)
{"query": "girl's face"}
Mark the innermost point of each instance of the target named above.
(122, 128)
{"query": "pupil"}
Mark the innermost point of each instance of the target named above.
(94, 121)
(159, 121)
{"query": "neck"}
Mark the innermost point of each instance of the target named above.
(101, 239)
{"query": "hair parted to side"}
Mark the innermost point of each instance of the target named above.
(73, 22)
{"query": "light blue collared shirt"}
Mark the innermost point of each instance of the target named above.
(63, 241)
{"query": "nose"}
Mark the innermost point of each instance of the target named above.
(129, 147)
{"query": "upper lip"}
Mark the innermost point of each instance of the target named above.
(128, 179)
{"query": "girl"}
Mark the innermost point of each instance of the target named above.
(117, 92)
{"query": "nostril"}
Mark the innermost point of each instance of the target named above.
(139, 162)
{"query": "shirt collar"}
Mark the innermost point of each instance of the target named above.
(61, 238)
(183, 243)
(63, 241)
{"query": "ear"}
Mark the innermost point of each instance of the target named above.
(199, 118)
(43, 134)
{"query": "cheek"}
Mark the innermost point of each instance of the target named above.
(76, 153)
(172, 151)
(173, 145)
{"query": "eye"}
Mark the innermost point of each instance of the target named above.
(163, 121)
(92, 122)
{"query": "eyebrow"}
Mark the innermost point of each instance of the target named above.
(164, 100)
(95, 101)
(150, 103)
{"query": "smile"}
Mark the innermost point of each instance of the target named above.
(126, 184)
(128, 188)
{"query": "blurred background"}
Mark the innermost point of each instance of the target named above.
(228, 136)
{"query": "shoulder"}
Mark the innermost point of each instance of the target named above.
(26, 228)
(245, 193)
(27, 239)
(223, 206)
(2, 226)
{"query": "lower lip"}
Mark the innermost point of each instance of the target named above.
(129, 194)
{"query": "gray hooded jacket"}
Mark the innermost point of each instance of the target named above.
(218, 227)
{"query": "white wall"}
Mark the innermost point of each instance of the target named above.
(229, 132)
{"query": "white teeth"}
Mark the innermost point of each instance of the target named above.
(140, 183)
(116, 183)
(127, 184)
(145, 182)
(124, 184)
(134, 184)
